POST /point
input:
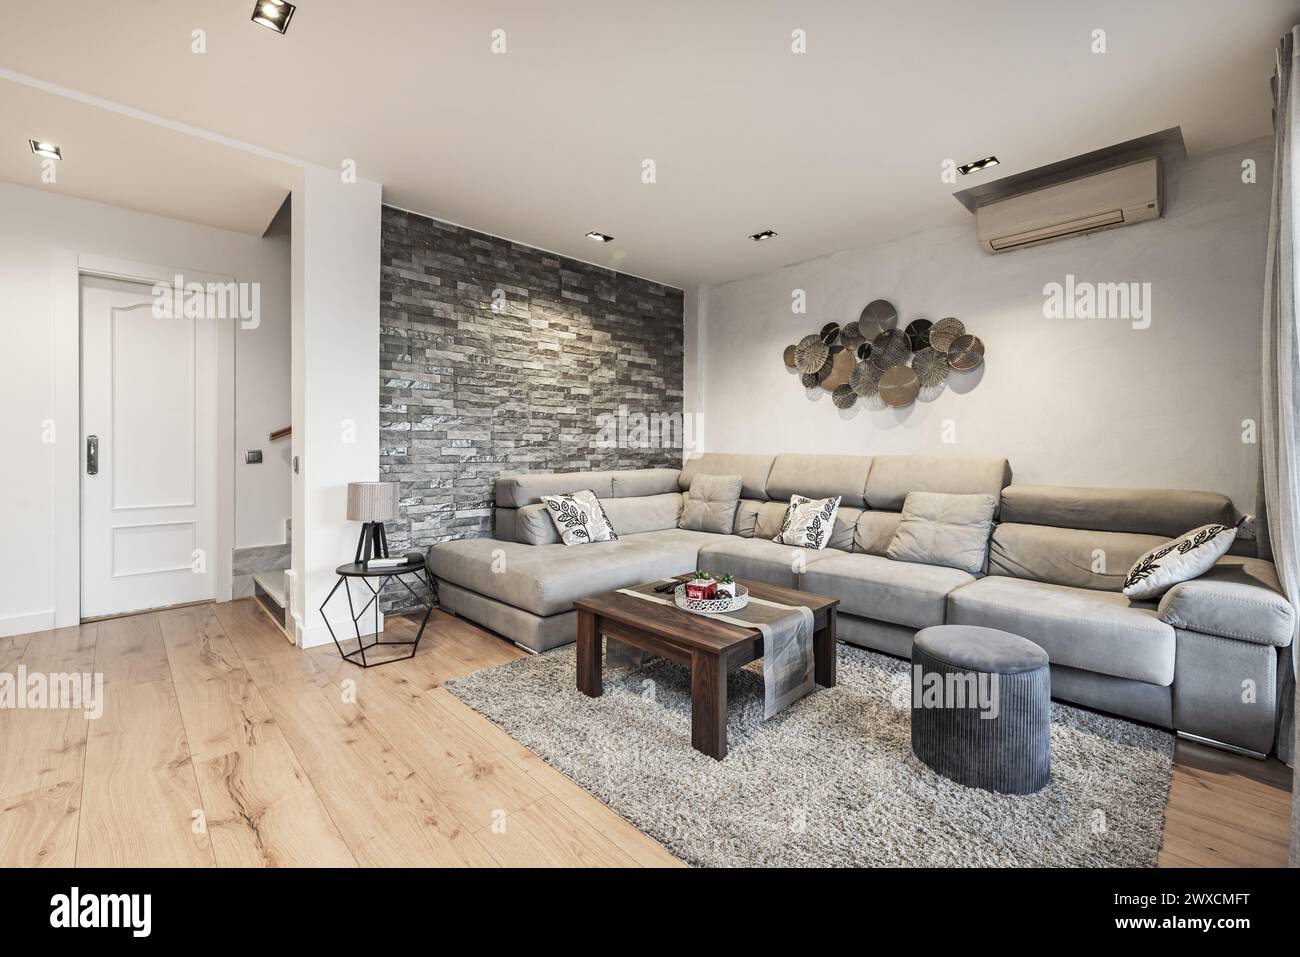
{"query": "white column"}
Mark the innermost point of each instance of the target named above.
(335, 344)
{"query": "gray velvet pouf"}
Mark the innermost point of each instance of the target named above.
(982, 708)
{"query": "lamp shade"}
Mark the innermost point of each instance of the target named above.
(372, 501)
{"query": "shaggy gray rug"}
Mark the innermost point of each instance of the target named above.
(831, 781)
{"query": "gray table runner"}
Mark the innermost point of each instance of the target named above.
(787, 644)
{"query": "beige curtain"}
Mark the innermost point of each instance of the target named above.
(1280, 401)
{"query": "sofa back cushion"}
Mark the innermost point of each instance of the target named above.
(710, 504)
(1144, 511)
(820, 476)
(633, 483)
(770, 516)
(516, 491)
(644, 513)
(874, 531)
(747, 517)
(1079, 558)
(752, 469)
(629, 516)
(533, 526)
(942, 529)
(893, 476)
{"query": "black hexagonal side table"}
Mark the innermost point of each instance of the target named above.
(385, 575)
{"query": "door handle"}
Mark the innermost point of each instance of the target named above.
(92, 455)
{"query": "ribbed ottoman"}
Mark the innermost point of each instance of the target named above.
(982, 708)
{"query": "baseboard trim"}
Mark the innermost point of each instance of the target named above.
(25, 624)
(313, 636)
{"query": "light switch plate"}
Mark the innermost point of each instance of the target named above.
(253, 457)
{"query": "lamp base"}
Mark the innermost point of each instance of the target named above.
(372, 543)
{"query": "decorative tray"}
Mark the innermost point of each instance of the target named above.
(711, 606)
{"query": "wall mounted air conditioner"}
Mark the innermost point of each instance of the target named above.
(1131, 193)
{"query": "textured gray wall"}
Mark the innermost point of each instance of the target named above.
(468, 391)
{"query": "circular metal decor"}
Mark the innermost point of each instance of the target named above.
(811, 354)
(865, 380)
(876, 317)
(841, 369)
(899, 386)
(810, 380)
(943, 332)
(851, 337)
(844, 397)
(890, 348)
(918, 333)
(788, 357)
(931, 367)
(830, 332)
(965, 353)
(864, 352)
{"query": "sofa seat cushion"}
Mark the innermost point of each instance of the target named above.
(760, 559)
(902, 593)
(1238, 598)
(545, 579)
(1096, 631)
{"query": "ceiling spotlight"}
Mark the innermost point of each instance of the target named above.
(978, 165)
(48, 150)
(765, 234)
(275, 14)
(599, 237)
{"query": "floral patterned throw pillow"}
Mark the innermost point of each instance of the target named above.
(1178, 561)
(579, 518)
(808, 522)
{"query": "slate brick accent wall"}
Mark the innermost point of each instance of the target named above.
(468, 391)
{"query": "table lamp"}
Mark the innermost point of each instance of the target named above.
(372, 503)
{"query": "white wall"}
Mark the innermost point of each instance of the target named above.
(1086, 402)
(33, 224)
(336, 245)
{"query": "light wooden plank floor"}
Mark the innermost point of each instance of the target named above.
(222, 744)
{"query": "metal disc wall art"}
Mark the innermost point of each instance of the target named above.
(876, 317)
(844, 397)
(865, 380)
(899, 386)
(872, 359)
(890, 348)
(841, 368)
(965, 353)
(918, 333)
(811, 354)
(943, 332)
(931, 367)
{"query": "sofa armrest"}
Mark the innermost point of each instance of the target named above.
(1238, 598)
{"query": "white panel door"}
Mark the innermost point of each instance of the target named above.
(148, 452)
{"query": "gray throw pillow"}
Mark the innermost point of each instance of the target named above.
(941, 529)
(710, 504)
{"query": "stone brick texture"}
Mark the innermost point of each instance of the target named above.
(497, 357)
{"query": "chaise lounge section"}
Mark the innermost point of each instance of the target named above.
(1204, 660)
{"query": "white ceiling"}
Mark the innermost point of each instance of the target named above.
(834, 148)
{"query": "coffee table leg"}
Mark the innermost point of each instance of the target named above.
(589, 655)
(708, 705)
(825, 651)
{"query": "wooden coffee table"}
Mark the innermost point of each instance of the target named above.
(712, 649)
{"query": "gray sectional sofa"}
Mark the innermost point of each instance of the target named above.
(1204, 660)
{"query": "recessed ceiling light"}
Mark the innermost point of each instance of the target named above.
(599, 237)
(765, 234)
(978, 165)
(275, 14)
(48, 150)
